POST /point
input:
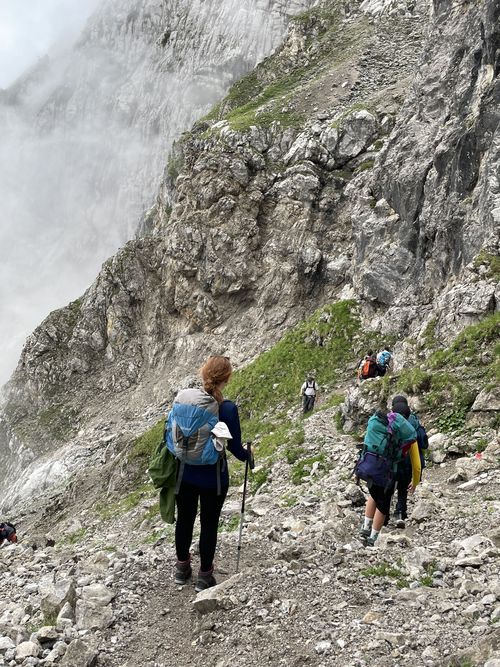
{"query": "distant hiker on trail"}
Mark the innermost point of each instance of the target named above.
(202, 469)
(309, 391)
(404, 471)
(367, 367)
(384, 361)
(7, 533)
(388, 438)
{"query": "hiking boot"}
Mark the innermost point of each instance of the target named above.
(182, 572)
(364, 533)
(370, 541)
(205, 580)
(398, 520)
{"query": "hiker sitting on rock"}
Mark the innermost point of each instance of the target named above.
(384, 361)
(7, 533)
(367, 367)
(309, 391)
(203, 472)
(404, 471)
(388, 438)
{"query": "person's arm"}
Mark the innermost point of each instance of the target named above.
(302, 389)
(228, 413)
(416, 467)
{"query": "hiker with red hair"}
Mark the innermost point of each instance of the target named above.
(200, 423)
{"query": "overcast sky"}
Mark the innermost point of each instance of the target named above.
(28, 28)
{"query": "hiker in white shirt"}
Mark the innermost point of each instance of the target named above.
(309, 391)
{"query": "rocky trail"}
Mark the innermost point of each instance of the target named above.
(308, 592)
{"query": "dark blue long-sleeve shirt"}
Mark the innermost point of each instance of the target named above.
(206, 476)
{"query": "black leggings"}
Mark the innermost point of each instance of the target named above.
(187, 508)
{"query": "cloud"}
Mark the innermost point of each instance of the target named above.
(28, 29)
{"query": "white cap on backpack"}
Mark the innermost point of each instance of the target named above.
(222, 434)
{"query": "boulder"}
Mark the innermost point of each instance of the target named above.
(54, 594)
(28, 650)
(79, 654)
(217, 597)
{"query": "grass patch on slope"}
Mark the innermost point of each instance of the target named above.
(270, 92)
(268, 387)
(267, 390)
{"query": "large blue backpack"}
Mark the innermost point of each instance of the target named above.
(188, 429)
(188, 436)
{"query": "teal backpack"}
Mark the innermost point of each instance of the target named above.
(386, 443)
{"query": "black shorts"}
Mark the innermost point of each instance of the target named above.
(382, 497)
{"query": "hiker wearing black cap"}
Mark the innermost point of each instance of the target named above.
(404, 471)
(388, 438)
(200, 413)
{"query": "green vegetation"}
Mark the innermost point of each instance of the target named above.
(174, 165)
(257, 478)
(426, 579)
(293, 449)
(367, 164)
(492, 262)
(74, 537)
(231, 524)
(289, 500)
(127, 503)
(145, 445)
(303, 467)
(274, 92)
(47, 620)
(331, 402)
(481, 445)
(267, 389)
(269, 385)
(461, 370)
(429, 335)
(166, 532)
(386, 570)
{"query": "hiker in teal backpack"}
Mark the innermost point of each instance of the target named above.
(404, 472)
(202, 473)
(388, 438)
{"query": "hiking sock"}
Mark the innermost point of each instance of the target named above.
(368, 523)
(374, 534)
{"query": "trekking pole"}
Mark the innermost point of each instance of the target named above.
(249, 464)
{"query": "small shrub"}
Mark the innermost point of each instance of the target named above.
(145, 445)
(303, 467)
(386, 570)
(75, 537)
(258, 478)
(231, 524)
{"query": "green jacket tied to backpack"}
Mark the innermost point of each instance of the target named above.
(163, 472)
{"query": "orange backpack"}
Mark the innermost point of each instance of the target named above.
(368, 368)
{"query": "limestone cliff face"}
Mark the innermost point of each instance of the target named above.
(360, 161)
